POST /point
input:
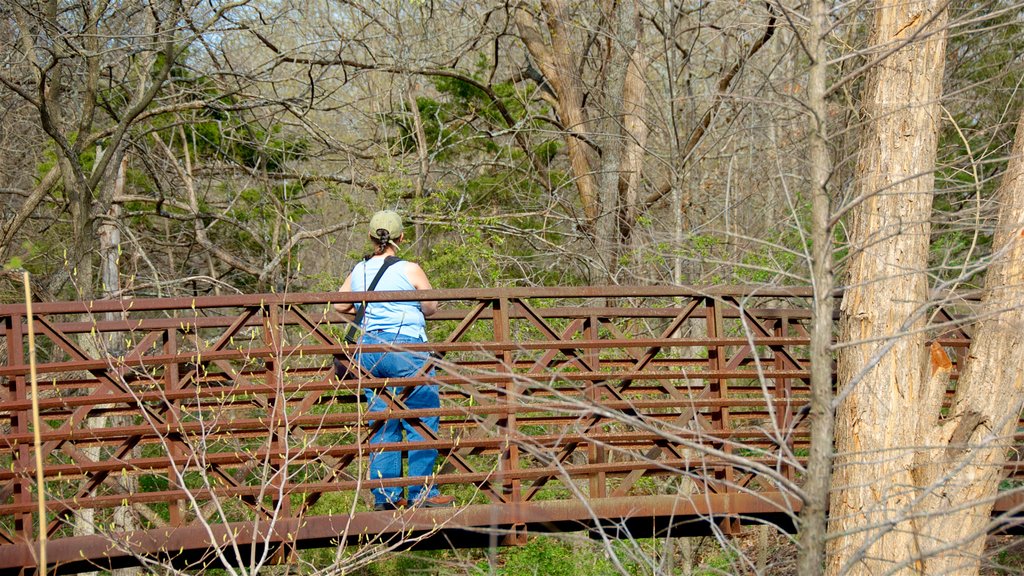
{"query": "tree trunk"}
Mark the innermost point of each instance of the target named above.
(819, 461)
(611, 133)
(556, 62)
(635, 130)
(913, 488)
(960, 475)
(885, 304)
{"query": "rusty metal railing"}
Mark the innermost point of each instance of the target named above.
(164, 417)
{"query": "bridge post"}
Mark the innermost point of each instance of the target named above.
(718, 386)
(278, 402)
(595, 452)
(280, 429)
(509, 459)
(175, 453)
(783, 391)
(22, 489)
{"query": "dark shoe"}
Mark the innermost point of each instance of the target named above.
(439, 501)
(386, 506)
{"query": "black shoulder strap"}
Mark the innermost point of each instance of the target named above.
(358, 319)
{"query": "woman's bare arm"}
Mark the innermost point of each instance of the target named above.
(418, 278)
(345, 307)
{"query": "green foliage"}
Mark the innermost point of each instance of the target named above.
(541, 556)
(472, 246)
(393, 188)
(42, 253)
(549, 557)
(469, 98)
(464, 250)
(465, 259)
(719, 564)
(461, 119)
(445, 130)
(770, 262)
(1009, 560)
(703, 245)
(546, 151)
(217, 131)
(233, 139)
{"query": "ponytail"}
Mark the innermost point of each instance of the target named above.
(381, 238)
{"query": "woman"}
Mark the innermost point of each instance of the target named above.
(396, 323)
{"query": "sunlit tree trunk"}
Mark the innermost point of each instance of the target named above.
(884, 308)
(914, 485)
(961, 474)
(554, 56)
(955, 461)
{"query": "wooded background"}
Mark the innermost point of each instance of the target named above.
(205, 146)
(199, 147)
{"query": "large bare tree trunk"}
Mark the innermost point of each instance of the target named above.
(635, 133)
(885, 303)
(961, 474)
(913, 487)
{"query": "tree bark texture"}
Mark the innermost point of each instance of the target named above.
(884, 306)
(915, 486)
(610, 132)
(960, 474)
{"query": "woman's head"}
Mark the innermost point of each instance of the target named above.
(385, 230)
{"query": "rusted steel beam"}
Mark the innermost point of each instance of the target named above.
(264, 353)
(185, 545)
(331, 422)
(294, 299)
(335, 320)
(756, 439)
(565, 473)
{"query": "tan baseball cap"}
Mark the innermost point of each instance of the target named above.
(387, 220)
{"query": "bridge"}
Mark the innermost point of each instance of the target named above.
(211, 431)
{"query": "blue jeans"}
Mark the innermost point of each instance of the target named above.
(389, 464)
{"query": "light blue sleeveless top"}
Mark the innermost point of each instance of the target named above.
(404, 318)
